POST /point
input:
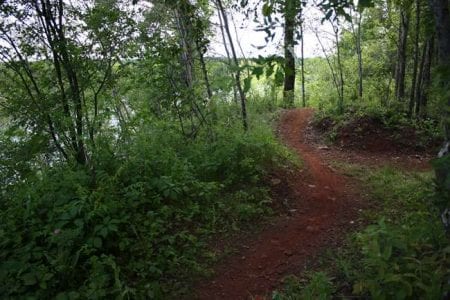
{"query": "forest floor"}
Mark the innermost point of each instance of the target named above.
(321, 206)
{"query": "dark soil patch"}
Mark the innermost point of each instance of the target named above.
(369, 142)
(372, 135)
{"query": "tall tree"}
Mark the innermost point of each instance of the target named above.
(400, 70)
(290, 14)
(440, 9)
(424, 77)
(412, 98)
(441, 12)
(236, 67)
(63, 77)
(302, 62)
(356, 31)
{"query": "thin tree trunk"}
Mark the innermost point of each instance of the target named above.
(204, 70)
(236, 65)
(341, 73)
(357, 37)
(419, 80)
(302, 63)
(333, 73)
(289, 54)
(360, 62)
(418, 87)
(421, 110)
(235, 95)
(401, 56)
(54, 30)
(412, 98)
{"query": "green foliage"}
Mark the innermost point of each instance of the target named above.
(135, 225)
(319, 287)
(407, 261)
(404, 254)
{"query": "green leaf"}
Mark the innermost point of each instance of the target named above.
(29, 279)
(247, 84)
(258, 71)
(267, 9)
(97, 242)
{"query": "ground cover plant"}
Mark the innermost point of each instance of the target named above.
(402, 254)
(140, 229)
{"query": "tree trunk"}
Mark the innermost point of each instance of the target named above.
(302, 63)
(412, 98)
(360, 62)
(289, 54)
(421, 108)
(401, 56)
(357, 37)
(236, 65)
(201, 52)
(341, 72)
(419, 80)
(230, 62)
(187, 55)
(441, 13)
(51, 17)
(330, 65)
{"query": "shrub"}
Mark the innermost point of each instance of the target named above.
(135, 225)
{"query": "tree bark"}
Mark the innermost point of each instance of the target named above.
(236, 65)
(290, 13)
(204, 69)
(412, 98)
(357, 37)
(225, 46)
(341, 72)
(360, 62)
(441, 13)
(54, 30)
(401, 56)
(186, 46)
(421, 108)
(418, 87)
(302, 63)
(330, 65)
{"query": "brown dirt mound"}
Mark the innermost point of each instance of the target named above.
(372, 135)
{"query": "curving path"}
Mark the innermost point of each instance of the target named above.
(323, 205)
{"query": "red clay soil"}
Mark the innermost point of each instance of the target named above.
(366, 142)
(323, 208)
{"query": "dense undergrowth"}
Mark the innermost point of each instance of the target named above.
(136, 225)
(403, 254)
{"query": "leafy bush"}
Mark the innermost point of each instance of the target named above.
(135, 225)
(319, 287)
(405, 254)
(404, 262)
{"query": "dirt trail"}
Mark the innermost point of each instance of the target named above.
(322, 208)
